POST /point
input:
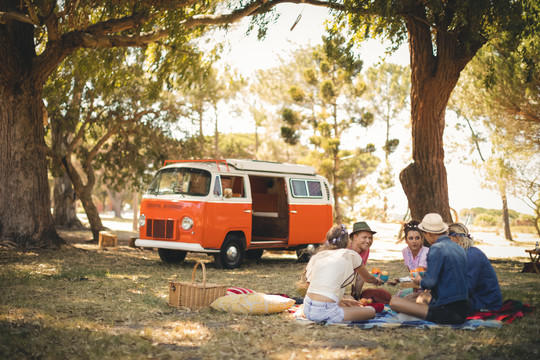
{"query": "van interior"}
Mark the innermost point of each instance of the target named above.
(270, 209)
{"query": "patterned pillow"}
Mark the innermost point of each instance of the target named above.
(253, 303)
(238, 290)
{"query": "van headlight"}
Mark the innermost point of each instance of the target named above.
(187, 223)
(142, 220)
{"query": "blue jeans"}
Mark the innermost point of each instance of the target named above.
(320, 311)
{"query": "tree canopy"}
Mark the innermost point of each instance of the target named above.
(35, 37)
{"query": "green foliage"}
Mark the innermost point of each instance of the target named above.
(391, 145)
(497, 98)
(100, 111)
(486, 219)
(472, 22)
(236, 145)
(493, 217)
(289, 135)
(323, 102)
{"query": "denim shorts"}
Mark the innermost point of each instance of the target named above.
(320, 311)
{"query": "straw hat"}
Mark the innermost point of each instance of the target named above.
(361, 226)
(433, 223)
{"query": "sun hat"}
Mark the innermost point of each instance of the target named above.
(433, 223)
(361, 226)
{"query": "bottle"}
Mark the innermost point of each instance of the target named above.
(537, 247)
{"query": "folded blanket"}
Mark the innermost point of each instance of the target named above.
(510, 310)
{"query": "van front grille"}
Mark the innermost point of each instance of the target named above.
(160, 229)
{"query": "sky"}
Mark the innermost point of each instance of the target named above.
(247, 54)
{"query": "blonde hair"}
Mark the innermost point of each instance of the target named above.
(461, 232)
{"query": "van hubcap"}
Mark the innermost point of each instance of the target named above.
(232, 253)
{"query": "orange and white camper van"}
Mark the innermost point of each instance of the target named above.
(233, 209)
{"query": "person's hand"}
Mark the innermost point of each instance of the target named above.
(417, 279)
(393, 282)
(424, 297)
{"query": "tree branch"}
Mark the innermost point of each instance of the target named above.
(16, 16)
(88, 40)
(252, 8)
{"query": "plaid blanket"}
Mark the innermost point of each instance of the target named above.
(511, 310)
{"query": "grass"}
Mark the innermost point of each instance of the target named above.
(88, 303)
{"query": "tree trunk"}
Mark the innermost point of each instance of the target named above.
(135, 207)
(338, 217)
(84, 192)
(506, 217)
(216, 135)
(425, 180)
(65, 211)
(116, 202)
(25, 204)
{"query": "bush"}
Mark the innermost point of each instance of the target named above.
(487, 220)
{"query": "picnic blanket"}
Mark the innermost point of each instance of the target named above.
(511, 310)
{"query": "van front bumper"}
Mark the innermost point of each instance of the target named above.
(173, 245)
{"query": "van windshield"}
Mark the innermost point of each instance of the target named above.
(185, 181)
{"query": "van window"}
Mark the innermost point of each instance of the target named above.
(306, 188)
(185, 181)
(233, 186)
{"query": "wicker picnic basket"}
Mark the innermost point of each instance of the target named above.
(192, 295)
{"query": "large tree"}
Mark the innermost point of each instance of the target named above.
(443, 36)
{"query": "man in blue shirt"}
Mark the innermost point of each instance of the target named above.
(446, 277)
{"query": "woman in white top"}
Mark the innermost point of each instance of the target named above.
(328, 273)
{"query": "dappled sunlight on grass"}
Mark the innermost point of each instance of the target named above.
(86, 302)
(177, 333)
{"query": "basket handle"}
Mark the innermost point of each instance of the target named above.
(203, 271)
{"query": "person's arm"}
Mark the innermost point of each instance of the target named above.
(434, 268)
(474, 268)
(366, 275)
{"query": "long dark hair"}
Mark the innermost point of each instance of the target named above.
(413, 226)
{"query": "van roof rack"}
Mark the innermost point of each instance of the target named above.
(254, 165)
(271, 166)
(217, 161)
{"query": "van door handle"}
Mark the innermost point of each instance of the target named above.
(247, 211)
(294, 211)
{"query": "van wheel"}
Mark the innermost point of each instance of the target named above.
(231, 254)
(172, 256)
(303, 255)
(254, 254)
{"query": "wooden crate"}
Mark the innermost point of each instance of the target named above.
(132, 241)
(107, 239)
